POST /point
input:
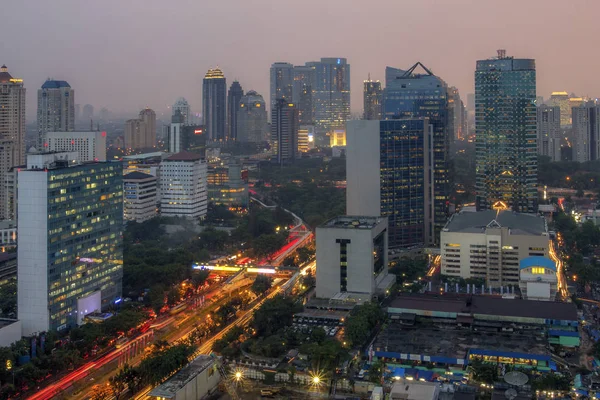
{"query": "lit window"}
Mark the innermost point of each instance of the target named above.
(538, 270)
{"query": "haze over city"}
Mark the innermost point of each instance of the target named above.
(125, 55)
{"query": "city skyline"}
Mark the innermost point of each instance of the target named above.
(136, 85)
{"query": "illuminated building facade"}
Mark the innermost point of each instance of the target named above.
(388, 166)
(302, 93)
(91, 146)
(561, 100)
(409, 94)
(458, 114)
(337, 138)
(214, 112)
(56, 109)
(505, 123)
(548, 131)
(282, 82)
(331, 94)
(252, 118)
(183, 186)
(226, 185)
(372, 99)
(284, 132)
(586, 132)
(12, 131)
(234, 96)
(70, 257)
(139, 197)
(140, 133)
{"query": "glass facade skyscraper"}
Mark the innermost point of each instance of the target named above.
(282, 82)
(423, 95)
(234, 96)
(214, 95)
(302, 93)
(505, 124)
(372, 99)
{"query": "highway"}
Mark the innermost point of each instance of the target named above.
(562, 287)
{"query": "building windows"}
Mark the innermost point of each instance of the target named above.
(343, 264)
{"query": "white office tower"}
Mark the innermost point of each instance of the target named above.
(91, 146)
(56, 109)
(175, 135)
(183, 186)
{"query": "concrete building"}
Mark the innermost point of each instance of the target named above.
(490, 245)
(214, 104)
(372, 99)
(56, 109)
(87, 113)
(195, 381)
(586, 132)
(139, 196)
(405, 389)
(183, 186)
(282, 83)
(140, 133)
(91, 146)
(226, 185)
(234, 96)
(12, 131)
(252, 124)
(302, 93)
(66, 269)
(182, 137)
(388, 173)
(284, 132)
(183, 107)
(549, 134)
(303, 139)
(8, 234)
(538, 279)
(561, 100)
(352, 257)
(505, 138)
(10, 332)
(337, 138)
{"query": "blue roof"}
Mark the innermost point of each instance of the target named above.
(537, 261)
(52, 84)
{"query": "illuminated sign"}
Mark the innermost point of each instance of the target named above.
(198, 132)
(86, 260)
(227, 268)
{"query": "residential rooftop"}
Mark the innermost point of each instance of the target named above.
(478, 222)
(169, 389)
(353, 222)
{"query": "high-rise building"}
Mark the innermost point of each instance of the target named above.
(302, 93)
(561, 100)
(182, 105)
(505, 123)
(12, 132)
(214, 103)
(389, 173)
(252, 118)
(282, 82)
(306, 138)
(175, 132)
(183, 186)
(284, 132)
(586, 132)
(330, 94)
(56, 109)
(548, 131)
(457, 114)
(226, 186)
(87, 114)
(77, 113)
(141, 133)
(67, 270)
(410, 94)
(90, 146)
(234, 97)
(373, 99)
(139, 196)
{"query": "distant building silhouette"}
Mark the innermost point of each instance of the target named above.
(214, 93)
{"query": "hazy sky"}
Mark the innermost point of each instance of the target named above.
(128, 54)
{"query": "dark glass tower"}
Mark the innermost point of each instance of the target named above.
(505, 124)
(372, 99)
(214, 93)
(233, 102)
(284, 132)
(409, 94)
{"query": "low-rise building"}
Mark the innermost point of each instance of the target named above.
(490, 244)
(196, 380)
(10, 331)
(414, 390)
(8, 233)
(139, 196)
(352, 257)
(537, 278)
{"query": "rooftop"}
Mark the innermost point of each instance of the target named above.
(5, 77)
(52, 84)
(487, 305)
(214, 74)
(352, 222)
(136, 175)
(477, 222)
(185, 156)
(6, 322)
(410, 390)
(169, 389)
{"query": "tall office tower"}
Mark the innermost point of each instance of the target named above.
(233, 102)
(175, 135)
(56, 109)
(284, 132)
(409, 94)
(87, 114)
(389, 173)
(372, 99)
(214, 102)
(586, 132)
(302, 93)
(77, 113)
(548, 131)
(182, 105)
(12, 132)
(183, 186)
(90, 145)
(331, 94)
(561, 100)
(282, 82)
(140, 133)
(457, 113)
(252, 118)
(505, 124)
(68, 269)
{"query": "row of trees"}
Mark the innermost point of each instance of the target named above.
(581, 176)
(361, 323)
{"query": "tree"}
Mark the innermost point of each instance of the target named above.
(101, 392)
(261, 285)
(273, 315)
(199, 277)
(304, 254)
(173, 296)
(290, 261)
(376, 371)
(8, 299)
(308, 280)
(359, 325)
(155, 298)
(318, 335)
